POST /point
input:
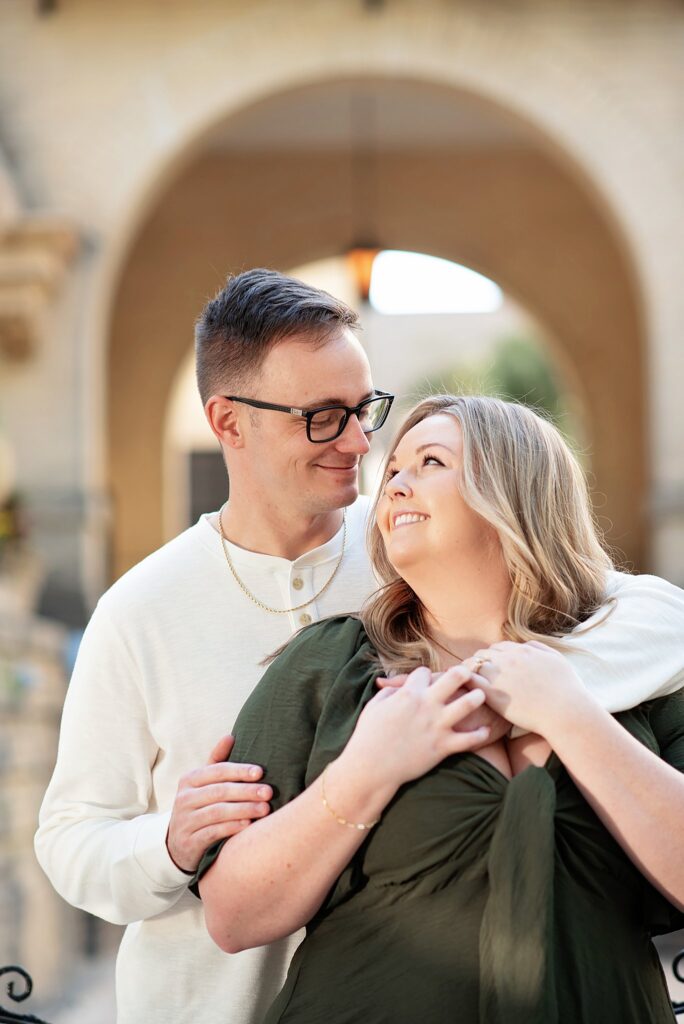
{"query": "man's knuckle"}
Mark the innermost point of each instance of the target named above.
(213, 814)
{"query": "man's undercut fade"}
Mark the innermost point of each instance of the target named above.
(253, 312)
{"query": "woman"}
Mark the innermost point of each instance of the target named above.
(518, 884)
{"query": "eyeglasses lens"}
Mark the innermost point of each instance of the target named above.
(373, 415)
(327, 424)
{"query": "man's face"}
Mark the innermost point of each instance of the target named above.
(287, 470)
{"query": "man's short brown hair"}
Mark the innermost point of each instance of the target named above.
(253, 312)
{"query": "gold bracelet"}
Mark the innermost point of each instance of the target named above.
(360, 826)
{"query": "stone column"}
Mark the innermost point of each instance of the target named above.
(38, 930)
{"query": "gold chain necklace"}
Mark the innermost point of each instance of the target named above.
(260, 604)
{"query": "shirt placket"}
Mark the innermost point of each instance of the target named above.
(301, 589)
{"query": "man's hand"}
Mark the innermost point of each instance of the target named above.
(482, 716)
(212, 803)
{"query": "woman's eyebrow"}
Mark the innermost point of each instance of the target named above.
(422, 447)
(435, 444)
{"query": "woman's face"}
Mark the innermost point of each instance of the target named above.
(421, 515)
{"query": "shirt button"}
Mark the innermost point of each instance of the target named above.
(305, 619)
(298, 583)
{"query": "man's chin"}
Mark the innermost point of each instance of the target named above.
(347, 495)
(339, 496)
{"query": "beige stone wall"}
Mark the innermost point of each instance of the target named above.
(37, 930)
(517, 216)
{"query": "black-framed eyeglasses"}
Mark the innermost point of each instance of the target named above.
(328, 421)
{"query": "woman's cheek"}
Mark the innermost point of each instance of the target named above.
(382, 518)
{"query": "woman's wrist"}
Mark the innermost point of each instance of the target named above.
(356, 790)
(569, 718)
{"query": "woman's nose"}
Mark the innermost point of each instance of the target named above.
(398, 486)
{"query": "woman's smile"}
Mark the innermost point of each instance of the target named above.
(407, 519)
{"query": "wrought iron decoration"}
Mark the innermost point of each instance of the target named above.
(11, 1016)
(678, 971)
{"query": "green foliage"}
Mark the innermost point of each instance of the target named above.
(518, 370)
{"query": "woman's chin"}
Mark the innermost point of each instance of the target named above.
(403, 558)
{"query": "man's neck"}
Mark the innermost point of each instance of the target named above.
(281, 537)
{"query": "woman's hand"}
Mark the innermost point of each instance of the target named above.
(404, 732)
(530, 684)
(272, 877)
(483, 717)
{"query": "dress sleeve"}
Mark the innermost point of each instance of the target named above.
(667, 721)
(666, 718)
(302, 693)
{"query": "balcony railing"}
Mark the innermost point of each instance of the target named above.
(11, 1016)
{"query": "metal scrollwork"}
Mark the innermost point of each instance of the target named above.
(10, 1016)
(678, 971)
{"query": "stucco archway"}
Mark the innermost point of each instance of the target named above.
(503, 202)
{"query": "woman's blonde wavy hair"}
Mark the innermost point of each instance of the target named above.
(520, 475)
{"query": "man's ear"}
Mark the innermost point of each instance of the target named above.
(223, 416)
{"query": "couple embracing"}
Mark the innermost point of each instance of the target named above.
(464, 782)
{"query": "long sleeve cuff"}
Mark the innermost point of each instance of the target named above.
(152, 856)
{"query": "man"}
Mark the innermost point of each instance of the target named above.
(175, 647)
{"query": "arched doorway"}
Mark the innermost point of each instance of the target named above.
(455, 176)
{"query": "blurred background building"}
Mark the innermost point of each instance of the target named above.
(149, 148)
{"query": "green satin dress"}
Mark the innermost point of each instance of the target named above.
(476, 900)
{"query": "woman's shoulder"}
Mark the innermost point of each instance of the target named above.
(665, 714)
(339, 632)
(324, 649)
(318, 653)
(326, 657)
(659, 724)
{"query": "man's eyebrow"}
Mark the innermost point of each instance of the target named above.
(430, 444)
(321, 402)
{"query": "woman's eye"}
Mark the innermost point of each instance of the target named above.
(432, 458)
(389, 474)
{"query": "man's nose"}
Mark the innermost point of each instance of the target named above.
(352, 438)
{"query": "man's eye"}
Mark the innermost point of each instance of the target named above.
(325, 418)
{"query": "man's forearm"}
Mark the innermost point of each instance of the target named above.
(117, 870)
(633, 650)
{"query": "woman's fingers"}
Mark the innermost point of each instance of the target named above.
(418, 680)
(444, 687)
(459, 742)
(383, 694)
(457, 710)
(477, 679)
(382, 682)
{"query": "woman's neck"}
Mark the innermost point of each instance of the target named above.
(466, 609)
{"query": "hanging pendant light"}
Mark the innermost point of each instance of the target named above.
(360, 263)
(363, 192)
